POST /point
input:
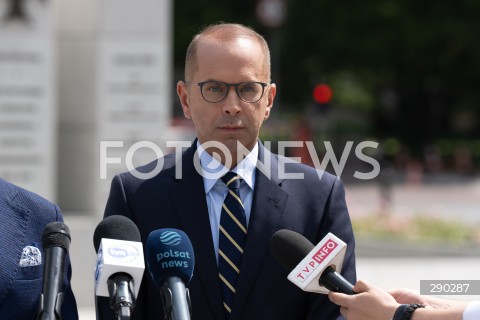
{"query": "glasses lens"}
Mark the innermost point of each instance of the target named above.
(214, 91)
(250, 91)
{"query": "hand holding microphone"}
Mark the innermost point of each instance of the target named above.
(171, 261)
(371, 303)
(55, 242)
(313, 268)
(120, 263)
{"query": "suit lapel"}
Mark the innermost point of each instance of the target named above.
(267, 209)
(186, 194)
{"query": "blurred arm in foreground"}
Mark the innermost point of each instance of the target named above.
(372, 303)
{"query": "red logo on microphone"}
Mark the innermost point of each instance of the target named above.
(317, 259)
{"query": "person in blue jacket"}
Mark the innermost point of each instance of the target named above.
(23, 218)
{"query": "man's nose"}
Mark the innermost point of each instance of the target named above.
(231, 103)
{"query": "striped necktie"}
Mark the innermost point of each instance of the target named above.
(233, 231)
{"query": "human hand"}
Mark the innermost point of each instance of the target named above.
(406, 296)
(370, 303)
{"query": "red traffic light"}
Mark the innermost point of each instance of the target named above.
(322, 93)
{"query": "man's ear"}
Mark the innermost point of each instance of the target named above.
(272, 91)
(183, 95)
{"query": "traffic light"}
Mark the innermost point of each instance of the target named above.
(322, 94)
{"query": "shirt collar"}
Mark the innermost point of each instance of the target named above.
(212, 169)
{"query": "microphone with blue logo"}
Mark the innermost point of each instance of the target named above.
(170, 261)
(120, 263)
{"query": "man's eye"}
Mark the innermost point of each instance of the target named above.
(214, 88)
(249, 88)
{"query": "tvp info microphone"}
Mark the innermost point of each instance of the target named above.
(313, 268)
(170, 261)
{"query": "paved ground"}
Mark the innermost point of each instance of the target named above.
(385, 266)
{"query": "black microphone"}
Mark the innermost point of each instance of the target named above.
(120, 263)
(290, 249)
(170, 260)
(55, 242)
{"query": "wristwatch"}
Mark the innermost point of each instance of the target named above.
(405, 311)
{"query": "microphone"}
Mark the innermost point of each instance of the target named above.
(170, 260)
(313, 268)
(120, 263)
(55, 242)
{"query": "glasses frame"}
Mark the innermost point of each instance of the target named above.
(228, 85)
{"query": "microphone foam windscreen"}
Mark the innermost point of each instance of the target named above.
(289, 248)
(169, 254)
(116, 227)
(56, 234)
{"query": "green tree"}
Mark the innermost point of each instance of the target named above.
(425, 53)
(419, 60)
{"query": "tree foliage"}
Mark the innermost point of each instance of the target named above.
(419, 60)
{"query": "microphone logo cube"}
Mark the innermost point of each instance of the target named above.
(118, 256)
(330, 251)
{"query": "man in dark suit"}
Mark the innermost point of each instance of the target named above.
(227, 94)
(24, 216)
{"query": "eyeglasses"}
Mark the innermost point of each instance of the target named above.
(216, 91)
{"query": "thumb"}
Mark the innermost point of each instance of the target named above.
(338, 298)
(361, 286)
